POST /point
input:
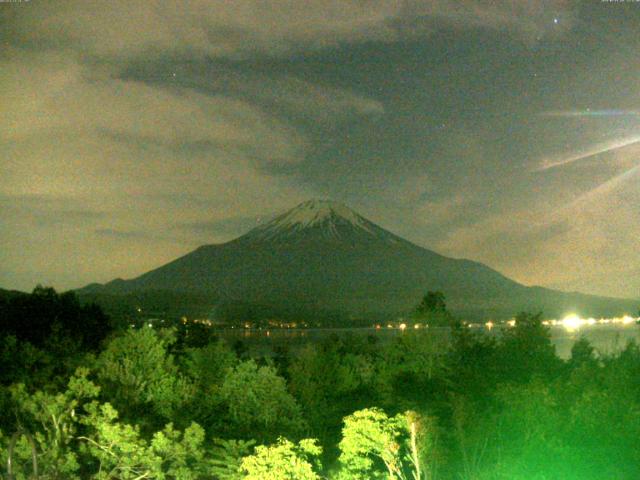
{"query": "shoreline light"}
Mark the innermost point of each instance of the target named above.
(573, 322)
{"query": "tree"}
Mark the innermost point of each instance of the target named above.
(582, 352)
(140, 376)
(206, 369)
(257, 403)
(52, 421)
(525, 350)
(373, 442)
(45, 315)
(78, 437)
(411, 370)
(122, 453)
(333, 378)
(432, 302)
(283, 460)
(433, 310)
(227, 456)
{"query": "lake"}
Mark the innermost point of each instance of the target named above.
(605, 338)
(608, 338)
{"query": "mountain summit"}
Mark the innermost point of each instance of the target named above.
(324, 217)
(323, 259)
(314, 212)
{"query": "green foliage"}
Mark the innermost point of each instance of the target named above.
(138, 373)
(526, 350)
(432, 302)
(578, 427)
(411, 371)
(432, 310)
(257, 403)
(52, 421)
(226, 457)
(45, 336)
(118, 448)
(206, 369)
(582, 352)
(499, 408)
(23, 363)
(474, 364)
(283, 460)
(333, 378)
(207, 366)
(77, 437)
(44, 314)
(123, 454)
(371, 440)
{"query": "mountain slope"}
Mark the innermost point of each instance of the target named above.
(322, 256)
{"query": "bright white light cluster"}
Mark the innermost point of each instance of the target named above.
(571, 322)
(574, 322)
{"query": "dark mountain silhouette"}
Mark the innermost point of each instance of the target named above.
(322, 258)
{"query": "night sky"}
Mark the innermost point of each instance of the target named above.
(505, 132)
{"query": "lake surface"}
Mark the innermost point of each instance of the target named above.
(608, 338)
(605, 338)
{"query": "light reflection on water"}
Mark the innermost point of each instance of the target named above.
(606, 338)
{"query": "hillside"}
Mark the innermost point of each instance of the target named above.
(322, 257)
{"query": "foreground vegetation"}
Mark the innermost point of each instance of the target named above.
(98, 402)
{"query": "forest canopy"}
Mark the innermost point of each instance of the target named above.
(97, 402)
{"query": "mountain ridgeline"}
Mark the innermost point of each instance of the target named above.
(322, 259)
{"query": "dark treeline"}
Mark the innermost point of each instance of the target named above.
(102, 401)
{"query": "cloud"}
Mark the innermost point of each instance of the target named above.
(231, 226)
(293, 100)
(305, 101)
(570, 243)
(71, 131)
(47, 210)
(145, 165)
(122, 235)
(88, 157)
(53, 94)
(219, 28)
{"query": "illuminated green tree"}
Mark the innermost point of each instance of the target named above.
(52, 421)
(283, 460)
(376, 446)
(123, 453)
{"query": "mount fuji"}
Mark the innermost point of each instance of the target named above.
(323, 259)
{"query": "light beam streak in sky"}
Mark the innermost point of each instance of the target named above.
(602, 189)
(610, 185)
(597, 149)
(591, 113)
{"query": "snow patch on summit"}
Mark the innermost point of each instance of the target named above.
(312, 213)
